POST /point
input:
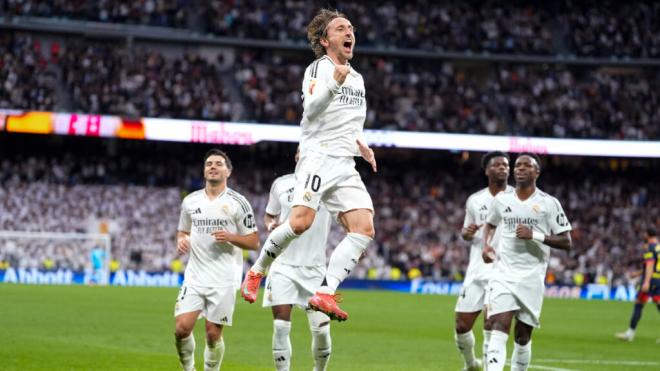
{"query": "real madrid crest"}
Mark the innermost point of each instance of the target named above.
(536, 208)
(225, 208)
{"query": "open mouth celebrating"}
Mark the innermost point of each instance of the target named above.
(348, 46)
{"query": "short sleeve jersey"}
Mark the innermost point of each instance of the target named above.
(519, 259)
(651, 252)
(214, 264)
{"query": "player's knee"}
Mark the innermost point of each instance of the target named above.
(462, 326)
(213, 332)
(300, 225)
(488, 324)
(368, 231)
(182, 330)
(212, 339)
(500, 326)
(301, 221)
(522, 339)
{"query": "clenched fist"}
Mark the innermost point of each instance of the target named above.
(340, 73)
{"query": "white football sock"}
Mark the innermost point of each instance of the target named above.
(186, 349)
(281, 344)
(213, 354)
(465, 345)
(278, 240)
(496, 356)
(485, 347)
(319, 325)
(345, 258)
(522, 355)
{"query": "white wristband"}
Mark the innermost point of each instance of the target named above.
(538, 236)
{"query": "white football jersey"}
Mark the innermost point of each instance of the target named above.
(308, 249)
(519, 260)
(477, 207)
(213, 264)
(333, 115)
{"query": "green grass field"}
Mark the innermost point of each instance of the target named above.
(111, 328)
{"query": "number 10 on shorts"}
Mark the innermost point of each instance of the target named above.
(315, 182)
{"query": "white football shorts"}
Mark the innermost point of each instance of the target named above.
(331, 179)
(215, 303)
(515, 297)
(288, 284)
(472, 297)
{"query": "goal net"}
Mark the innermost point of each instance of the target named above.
(54, 258)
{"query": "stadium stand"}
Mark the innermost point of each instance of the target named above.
(414, 95)
(618, 29)
(419, 214)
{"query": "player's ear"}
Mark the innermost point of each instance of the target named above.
(324, 42)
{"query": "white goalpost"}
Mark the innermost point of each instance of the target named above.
(71, 252)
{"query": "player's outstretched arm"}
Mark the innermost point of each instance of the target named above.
(247, 242)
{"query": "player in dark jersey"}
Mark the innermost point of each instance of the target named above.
(649, 284)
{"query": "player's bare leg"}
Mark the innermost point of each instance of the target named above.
(278, 240)
(464, 338)
(215, 347)
(360, 227)
(281, 341)
(185, 340)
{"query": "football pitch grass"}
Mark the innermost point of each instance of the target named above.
(113, 328)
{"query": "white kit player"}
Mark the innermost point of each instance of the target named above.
(294, 277)
(471, 300)
(215, 224)
(530, 222)
(333, 118)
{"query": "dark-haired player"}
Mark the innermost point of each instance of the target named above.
(215, 224)
(530, 222)
(472, 298)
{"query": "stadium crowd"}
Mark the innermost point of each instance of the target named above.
(164, 13)
(419, 212)
(26, 80)
(414, 95)
(103, 79)
(622, 29)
